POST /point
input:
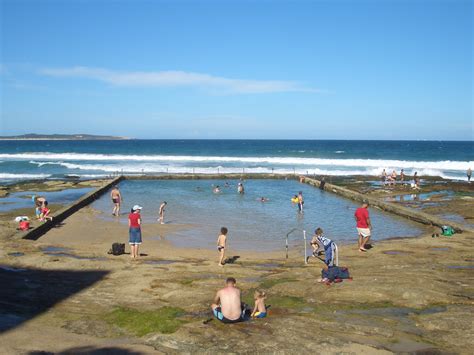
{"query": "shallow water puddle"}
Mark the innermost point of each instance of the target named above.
(16, 254)
(53, 249)
(397, 252)
(74, 256)
(160, 262)
(269, 265)
(251, 279)
(434, 195)
(460, 266)
(441, 249)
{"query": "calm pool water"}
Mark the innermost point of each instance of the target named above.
(23, 199)
(251, 223)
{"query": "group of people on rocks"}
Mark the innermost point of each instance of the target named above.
(134, 220)
(42, 211)
(391, 179)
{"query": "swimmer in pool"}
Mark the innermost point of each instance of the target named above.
(221, 244)
(300, 201)
(116, 200)
(161, 212)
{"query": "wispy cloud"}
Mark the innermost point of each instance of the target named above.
(3, 69)
(178, 78)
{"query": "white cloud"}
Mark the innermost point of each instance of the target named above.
(178, 78)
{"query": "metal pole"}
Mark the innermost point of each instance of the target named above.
(304, 237)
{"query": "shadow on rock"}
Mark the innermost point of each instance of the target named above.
(31, 292)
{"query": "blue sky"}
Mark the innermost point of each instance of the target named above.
(238, 69)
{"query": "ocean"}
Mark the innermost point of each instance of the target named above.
(90, 159)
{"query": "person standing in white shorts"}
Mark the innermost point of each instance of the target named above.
(364, 226)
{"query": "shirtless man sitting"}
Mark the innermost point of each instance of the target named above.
(227, 306)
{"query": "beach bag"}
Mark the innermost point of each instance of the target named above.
(24, 225)
(447, 231)
(117, 249)
(335, 272)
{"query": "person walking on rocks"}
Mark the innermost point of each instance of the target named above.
(364, 226)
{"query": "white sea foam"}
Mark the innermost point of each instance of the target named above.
(147, 168)
(41, 163)
(23, 176)
(272, 161)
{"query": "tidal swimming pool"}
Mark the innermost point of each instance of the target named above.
(252, 224)
(23, 199)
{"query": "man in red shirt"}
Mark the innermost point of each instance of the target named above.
(364, 226)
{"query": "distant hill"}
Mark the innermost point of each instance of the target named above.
(72, 137)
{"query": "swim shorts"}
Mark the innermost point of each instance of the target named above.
(260, 314)
(365, 232)
(115, 200)
(220, 248)
(135, 236)
(218, 314)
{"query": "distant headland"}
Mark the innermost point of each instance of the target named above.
(70, 137)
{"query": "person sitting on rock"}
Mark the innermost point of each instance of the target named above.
(227, 306)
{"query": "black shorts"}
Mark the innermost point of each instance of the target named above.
(218, 314)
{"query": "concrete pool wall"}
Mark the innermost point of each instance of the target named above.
(62, 214)
(402, 211)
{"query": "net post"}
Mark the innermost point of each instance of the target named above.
(304, 237)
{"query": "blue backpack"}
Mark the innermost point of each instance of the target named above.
(335, 272)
